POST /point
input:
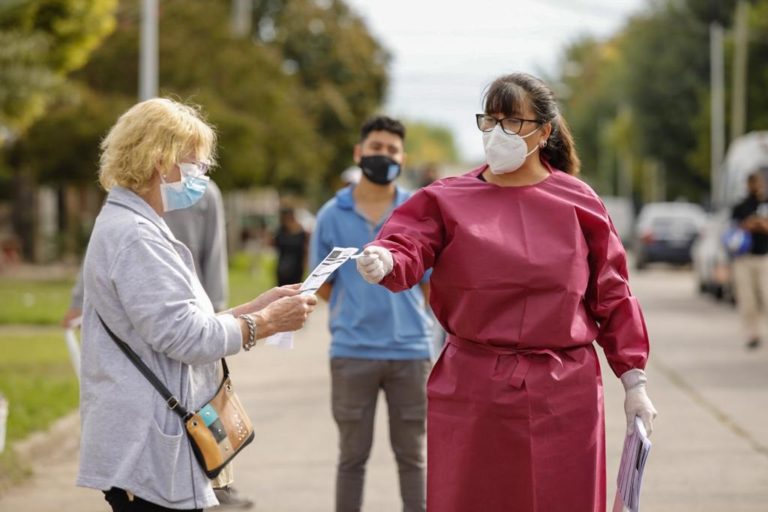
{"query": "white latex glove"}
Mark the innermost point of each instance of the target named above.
(636, 401)
(374, 263)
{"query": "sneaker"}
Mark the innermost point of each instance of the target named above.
(230, 499)
(753, 344)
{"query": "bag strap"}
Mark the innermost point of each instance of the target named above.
(172, 402)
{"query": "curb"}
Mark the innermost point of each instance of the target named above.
(63, 434)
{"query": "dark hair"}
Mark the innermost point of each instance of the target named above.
(509, 94)
(382, 123)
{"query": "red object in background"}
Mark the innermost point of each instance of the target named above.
(647, 238)
(524, 279)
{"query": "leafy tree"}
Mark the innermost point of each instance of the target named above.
(241, 86)
(428, 144)
(63, 147)
(41, 41)
(757, 88)
(25, 82)
(591, 87)
(340, 65)
(642, 97)
(667, 69)
(288, 108)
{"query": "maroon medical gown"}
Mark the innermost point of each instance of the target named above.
(524, 279)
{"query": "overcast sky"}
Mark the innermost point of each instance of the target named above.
(445, 53)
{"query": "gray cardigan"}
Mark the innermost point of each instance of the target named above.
(143, 282)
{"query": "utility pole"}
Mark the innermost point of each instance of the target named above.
(739, 93)
(148, 51)
(241, 17)
(717, 107)
(625, 186)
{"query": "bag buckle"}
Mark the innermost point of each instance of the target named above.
(172, 403)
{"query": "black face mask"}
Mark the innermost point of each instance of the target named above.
(380, 169)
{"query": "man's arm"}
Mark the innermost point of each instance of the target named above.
(76, 304)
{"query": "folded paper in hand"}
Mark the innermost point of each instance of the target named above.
(319, 275)
(630, 479)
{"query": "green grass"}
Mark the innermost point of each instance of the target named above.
(250, 275)
(37, 378)
(28, 301)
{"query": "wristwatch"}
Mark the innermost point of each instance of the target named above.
(251, 341)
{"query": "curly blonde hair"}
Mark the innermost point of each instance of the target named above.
(153, 134)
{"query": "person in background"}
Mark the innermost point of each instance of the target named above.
(141, 282)
(291, 242)
(527, 271)
(428, 175)
(379, 340)
(750, 270)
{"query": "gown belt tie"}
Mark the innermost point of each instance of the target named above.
(523, 361)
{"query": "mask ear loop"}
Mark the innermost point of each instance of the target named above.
(532, 151)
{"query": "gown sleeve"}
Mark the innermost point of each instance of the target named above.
(414, 234)
(622, 334)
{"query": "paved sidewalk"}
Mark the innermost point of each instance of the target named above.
(710, 449)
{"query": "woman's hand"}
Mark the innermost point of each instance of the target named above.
(636, 401)
(284, 314)
(265, 299)
(374, 263)
(273, 294)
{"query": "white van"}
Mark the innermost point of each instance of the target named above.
(746, 155)
(712, 266)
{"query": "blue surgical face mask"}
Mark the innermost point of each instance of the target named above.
(187, 191)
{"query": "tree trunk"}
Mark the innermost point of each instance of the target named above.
(24, 214)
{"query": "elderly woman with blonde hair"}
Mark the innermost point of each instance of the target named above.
(141, 281)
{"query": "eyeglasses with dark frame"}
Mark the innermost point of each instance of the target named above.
(510, 125)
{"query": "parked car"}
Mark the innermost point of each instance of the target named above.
(711, 262)
(665, 232)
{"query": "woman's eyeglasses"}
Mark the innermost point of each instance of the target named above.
(510, 125)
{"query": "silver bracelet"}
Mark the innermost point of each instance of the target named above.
(251, 341)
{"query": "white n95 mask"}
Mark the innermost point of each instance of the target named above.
(504, 152)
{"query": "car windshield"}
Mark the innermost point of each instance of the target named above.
(673, 223)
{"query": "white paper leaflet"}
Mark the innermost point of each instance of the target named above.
(311, 284)
(630, 479)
